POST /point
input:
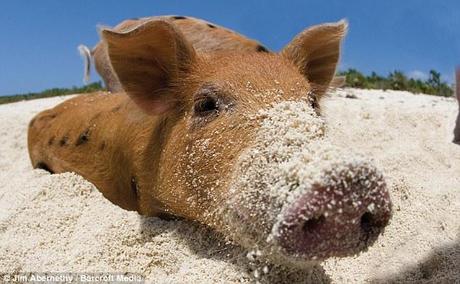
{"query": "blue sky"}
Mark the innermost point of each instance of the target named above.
(38, 49)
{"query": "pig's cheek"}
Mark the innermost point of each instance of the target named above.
(201, 170)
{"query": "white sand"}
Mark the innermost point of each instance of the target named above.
(62, 223)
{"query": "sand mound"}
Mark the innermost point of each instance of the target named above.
(61, 223)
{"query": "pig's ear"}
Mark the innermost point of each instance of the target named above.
(316, 52)
(146, 60)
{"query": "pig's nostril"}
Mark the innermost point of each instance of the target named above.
(367, 222)
(312, 224)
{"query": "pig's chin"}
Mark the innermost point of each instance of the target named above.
(298, 199)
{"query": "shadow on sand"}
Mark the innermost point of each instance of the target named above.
(442, 265)
(208, 244)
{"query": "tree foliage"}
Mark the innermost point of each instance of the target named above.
(397, 80)
(97, 86)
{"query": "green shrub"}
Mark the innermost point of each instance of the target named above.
(97, 86)
(397, 80)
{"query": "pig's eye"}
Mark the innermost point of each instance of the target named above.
(206, 105)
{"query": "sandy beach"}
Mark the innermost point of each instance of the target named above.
(61, 223)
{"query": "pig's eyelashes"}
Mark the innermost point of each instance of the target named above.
(205, 106)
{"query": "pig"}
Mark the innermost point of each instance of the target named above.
(203, 35)
(457, 93)
(233, 140)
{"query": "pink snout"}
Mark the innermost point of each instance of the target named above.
(341, 215)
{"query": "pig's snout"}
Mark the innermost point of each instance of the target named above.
(341, 215)
(298, 198)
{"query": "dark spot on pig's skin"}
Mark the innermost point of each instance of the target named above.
(179, 18)
(102, 146)
(83, 138)
(63, 141)
(211, 26)
(51, 141)
(43, 166)
(134, 187)
(261, 48)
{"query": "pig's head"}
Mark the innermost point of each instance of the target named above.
(242, 142)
